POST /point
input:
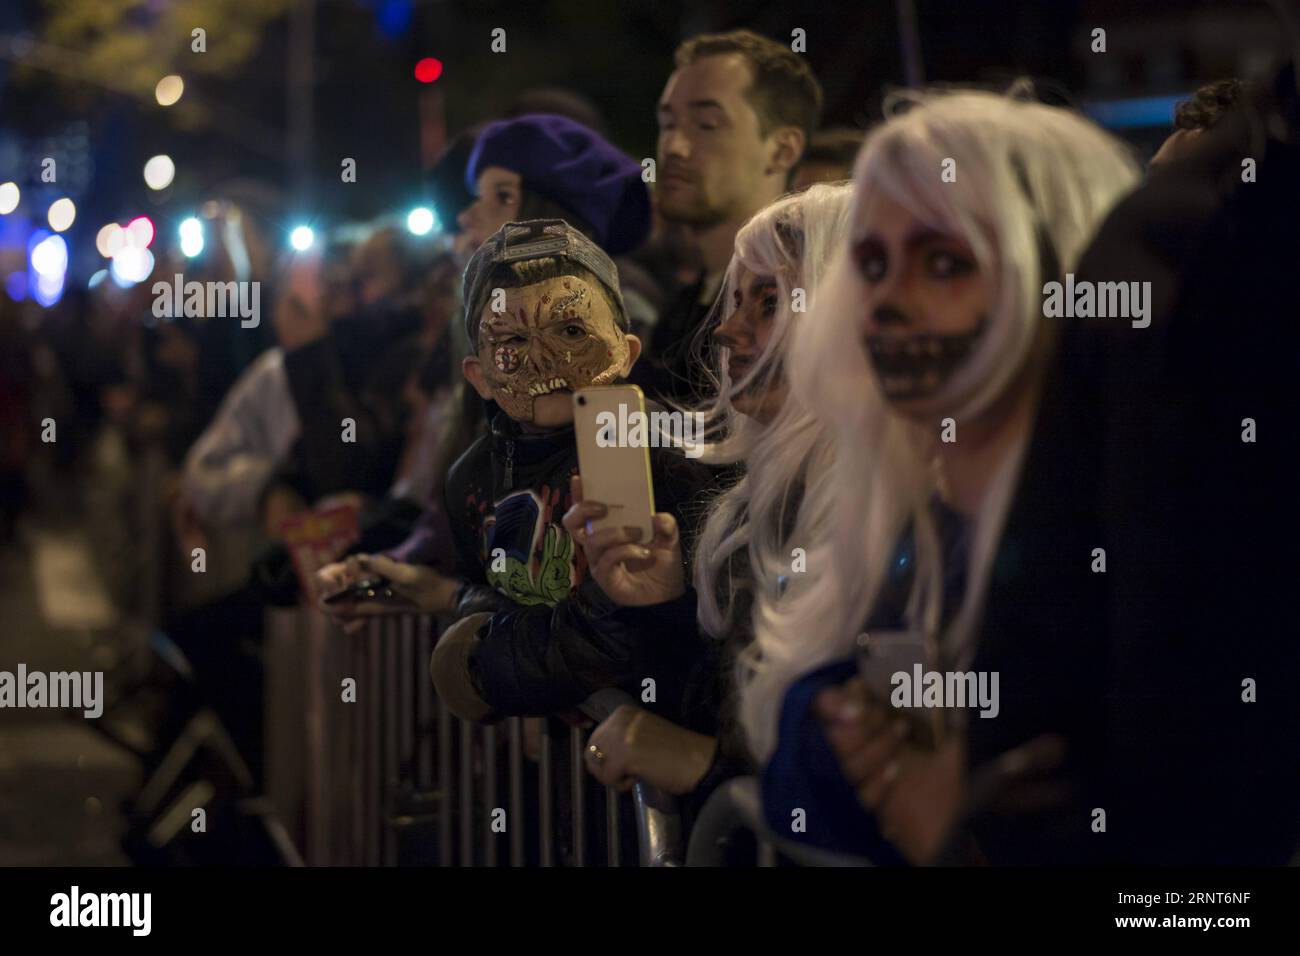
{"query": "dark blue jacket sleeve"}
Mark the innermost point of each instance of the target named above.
(533, 660)
(804, 774)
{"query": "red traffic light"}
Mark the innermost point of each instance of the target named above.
(428, 70)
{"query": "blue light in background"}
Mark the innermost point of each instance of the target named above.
(49, 289)
(191, 231)
(16, 286)
(1142, 112)
(302, 238)
(47, 256)
(422, 220)
(395, 17)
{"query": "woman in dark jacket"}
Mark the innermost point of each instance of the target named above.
(924, 361)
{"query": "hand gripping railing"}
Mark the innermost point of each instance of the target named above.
(658, 819)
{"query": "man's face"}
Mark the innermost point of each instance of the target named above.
(745, 333)
(711, 156)
(925, 303)
(552, 338)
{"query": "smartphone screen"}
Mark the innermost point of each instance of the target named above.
(613, 436)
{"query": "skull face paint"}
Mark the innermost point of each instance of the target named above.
(927, 303)
(555, 335)
(917, 366)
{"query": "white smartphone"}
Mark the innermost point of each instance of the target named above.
(614, 456)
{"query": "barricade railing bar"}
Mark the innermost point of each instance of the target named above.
(375, 771)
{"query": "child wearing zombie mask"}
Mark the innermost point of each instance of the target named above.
(544, 317)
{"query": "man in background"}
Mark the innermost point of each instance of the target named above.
(734, 120)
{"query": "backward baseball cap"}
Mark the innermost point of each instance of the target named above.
(535, 239)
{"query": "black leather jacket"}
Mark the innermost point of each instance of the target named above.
(554, 637)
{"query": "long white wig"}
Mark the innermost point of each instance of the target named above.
(792, 240)
(1032, 183)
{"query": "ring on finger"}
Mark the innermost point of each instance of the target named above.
(596, 755)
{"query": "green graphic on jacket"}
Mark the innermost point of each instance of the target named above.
(515, 565)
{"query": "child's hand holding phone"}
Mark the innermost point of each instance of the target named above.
(634, 554)
(631, 572)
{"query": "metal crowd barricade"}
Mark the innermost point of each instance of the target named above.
(380, 773)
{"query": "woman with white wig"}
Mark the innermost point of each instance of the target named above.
(923, 356)
(780, 258)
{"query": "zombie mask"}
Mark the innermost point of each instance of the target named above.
(551, 335)
(918, 366)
